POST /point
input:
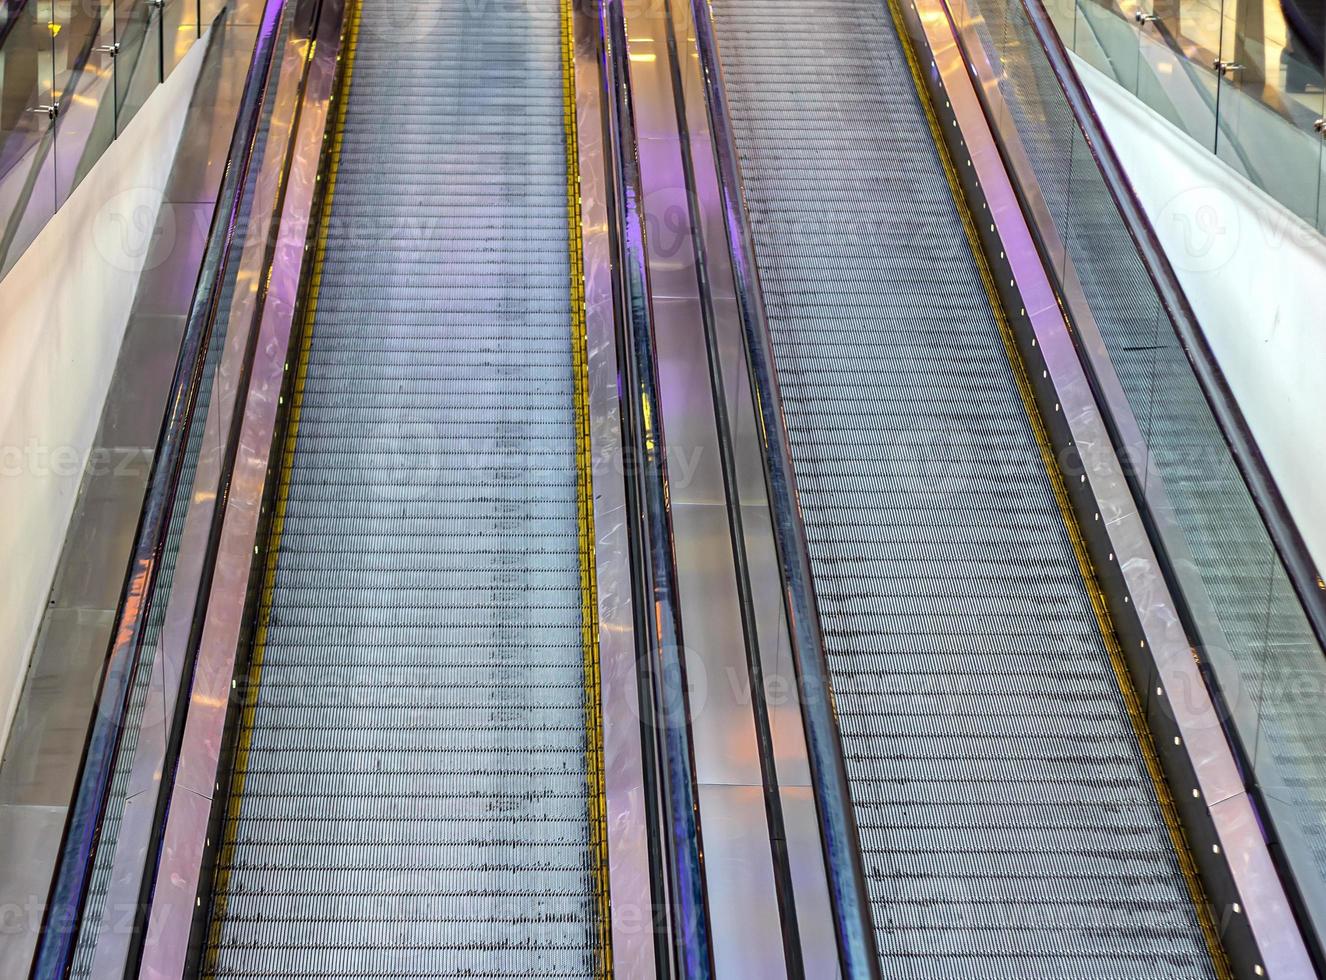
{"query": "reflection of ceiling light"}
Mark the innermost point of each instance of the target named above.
(1165, 68)
(55, 29)
(650, 56)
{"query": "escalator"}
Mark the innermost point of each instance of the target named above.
(420, 665)
(435, 716)
(1009, 819)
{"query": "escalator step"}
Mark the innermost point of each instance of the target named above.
(414, 789)
(1008, 824)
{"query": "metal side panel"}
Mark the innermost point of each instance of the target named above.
(1008, 822)
(411, 791)
(102, 934)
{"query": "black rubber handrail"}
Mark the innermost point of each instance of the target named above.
(1247, 455)
(658, 620)
(849, 898)
(63, 916)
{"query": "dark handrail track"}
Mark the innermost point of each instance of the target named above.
(659, 630)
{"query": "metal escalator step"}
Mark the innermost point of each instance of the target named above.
(1008, 824)
(414, 798)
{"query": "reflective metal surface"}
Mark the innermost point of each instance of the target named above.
(721, 723)
(633, 907)
(177, 876)
(137, 823)
(678, 852)
(798, 852)
(756, 732)
(430, 697)
(885, 338)
(1247, 589)
(753, 891)
(745, 849)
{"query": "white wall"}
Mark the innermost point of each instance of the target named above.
(1255, 275)
(63, 311)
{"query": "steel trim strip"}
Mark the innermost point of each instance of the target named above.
(660, 640)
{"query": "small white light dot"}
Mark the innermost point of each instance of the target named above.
(1197, 794)
(1237, 908)
(1177, 740)
(1257, 969)
(1215, 848)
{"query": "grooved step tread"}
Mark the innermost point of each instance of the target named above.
(415, 796)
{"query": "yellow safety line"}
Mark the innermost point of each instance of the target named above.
(589, 608)
(1136, 715)
(220, 891)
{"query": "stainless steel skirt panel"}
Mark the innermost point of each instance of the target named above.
(413, 793)
(1007, 819)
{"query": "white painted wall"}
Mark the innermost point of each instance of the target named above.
(1255, 275)
(63, 311)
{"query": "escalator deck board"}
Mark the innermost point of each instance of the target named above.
(411, 785)
(1008, 823)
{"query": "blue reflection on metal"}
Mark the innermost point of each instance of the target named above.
(663, 667)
